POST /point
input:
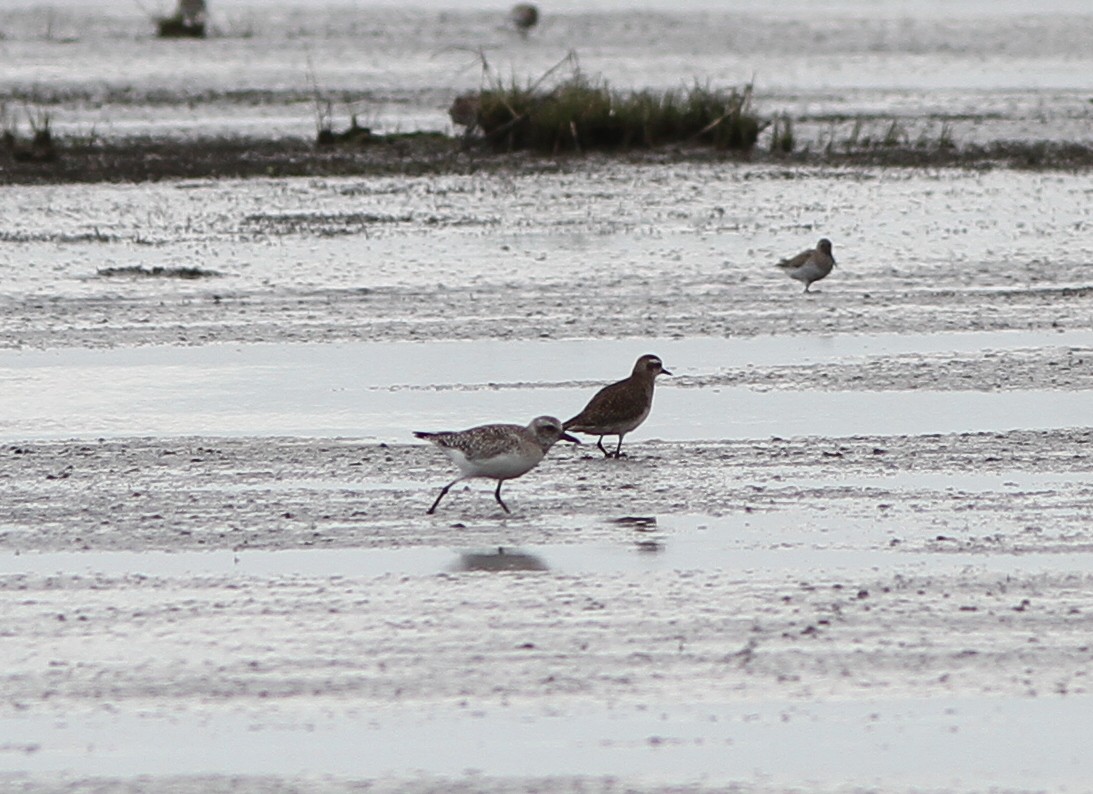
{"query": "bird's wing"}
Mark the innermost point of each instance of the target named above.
(610, 404)
(796, 261)
(483, 442)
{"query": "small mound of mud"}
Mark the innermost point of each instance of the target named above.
(324, 224)
(349, 223)
(95, 236)
(140, 271)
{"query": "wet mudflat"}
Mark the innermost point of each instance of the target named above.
(611, 251)
(849, 550)
(854, 529)
(236, 613)
(664, 620)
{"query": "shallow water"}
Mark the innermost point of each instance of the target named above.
(382, 391)
(1034, 743)
(991, 71)
(735, 549)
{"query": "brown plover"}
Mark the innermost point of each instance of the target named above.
(498, 452)
(617, 409)
(811, 265)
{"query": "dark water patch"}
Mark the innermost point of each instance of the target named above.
(157, 271)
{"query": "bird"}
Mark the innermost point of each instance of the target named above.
(617, 409)
(811, 265)
(524, 16)
(498, 452)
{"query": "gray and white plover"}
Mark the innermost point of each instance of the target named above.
(811, 265)
(497, 452)
(617, 409)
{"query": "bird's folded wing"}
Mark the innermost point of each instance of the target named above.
(612, 404)
(483, 442)
(796, 261)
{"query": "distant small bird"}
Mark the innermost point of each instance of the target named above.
(524, 16)
(617, 409)
(811, 265)
(464, 110)
(497, 452)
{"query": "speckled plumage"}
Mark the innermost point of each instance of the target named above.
(498, 452)
(811, 265)
(617, 409)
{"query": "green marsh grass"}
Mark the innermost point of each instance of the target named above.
(580, 115)
(782, 139)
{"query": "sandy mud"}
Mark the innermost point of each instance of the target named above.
(630, 675)
(612, 251)
(656, 623)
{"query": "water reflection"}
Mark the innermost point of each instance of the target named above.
(500, 560)
(638, 523)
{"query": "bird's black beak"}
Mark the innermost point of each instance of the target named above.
(569, 438)
(664, 371)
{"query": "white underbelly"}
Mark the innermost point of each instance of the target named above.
(499, 467)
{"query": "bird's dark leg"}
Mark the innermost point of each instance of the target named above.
(497, 496)
(599, 443)
(443, 491)
(618, 449)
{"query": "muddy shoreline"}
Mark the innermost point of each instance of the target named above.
(280, 493)
(153, 159)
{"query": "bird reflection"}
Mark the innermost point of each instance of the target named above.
(638, 523)
(500, 560)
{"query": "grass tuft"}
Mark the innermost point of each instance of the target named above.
(41, 148)
(782, 139)
(580, 114)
